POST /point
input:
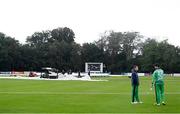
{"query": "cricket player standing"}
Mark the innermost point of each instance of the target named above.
(158, 83)
(135, 85)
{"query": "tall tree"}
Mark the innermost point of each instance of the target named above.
(9, 51)
(53, 48)
(162, 53)
(120, 49)
(91, 53)
(39, 38)
(63, 34)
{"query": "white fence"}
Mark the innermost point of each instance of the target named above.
(25, 73)
(175, 74)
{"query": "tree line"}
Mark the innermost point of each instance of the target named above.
(57, 48)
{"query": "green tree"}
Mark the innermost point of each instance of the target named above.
(53, 48)
(39, 38)
(63, 34)
(9, 53)
(120, 49)
(162, 53)
(91, 53)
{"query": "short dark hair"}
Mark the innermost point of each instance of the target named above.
(134, 66)
(156, 65)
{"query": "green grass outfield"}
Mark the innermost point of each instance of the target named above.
(112, 96)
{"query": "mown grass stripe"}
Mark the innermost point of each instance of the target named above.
(88, 93)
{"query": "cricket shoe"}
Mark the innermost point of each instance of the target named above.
(134, 102)
(140, 102)
(157, 104)
(163, 103)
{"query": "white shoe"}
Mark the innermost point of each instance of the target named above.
(134, 102)
(140, 102)
(163, 103)
(157, 104)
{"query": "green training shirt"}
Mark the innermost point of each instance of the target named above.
(158, 76)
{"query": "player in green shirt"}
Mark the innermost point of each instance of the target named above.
(158, 83)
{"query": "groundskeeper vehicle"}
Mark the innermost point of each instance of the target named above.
(48, 72)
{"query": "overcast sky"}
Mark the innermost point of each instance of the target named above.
(159, 19)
